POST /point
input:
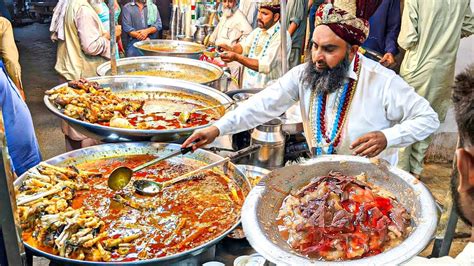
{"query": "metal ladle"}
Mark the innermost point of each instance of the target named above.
(150, 188)
(121, 176)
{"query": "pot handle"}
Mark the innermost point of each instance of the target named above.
(246, 151)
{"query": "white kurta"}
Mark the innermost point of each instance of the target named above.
(430, 33)
(263, 45)
(250, 10)
(231, 29)
(382, 102)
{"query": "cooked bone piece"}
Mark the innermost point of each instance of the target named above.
(95, 240)
(105, 255)
(54, 190)
(111, 243)
(44, 178)
(69, 172)
(81, 255)
(33, 182)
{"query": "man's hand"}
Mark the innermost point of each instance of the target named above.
(228, 57)
(225, 47)
(370, 144)
(144, 32)
(106, 35)
(138, 35)
(387, 60)
(205, 136)
(118, 31)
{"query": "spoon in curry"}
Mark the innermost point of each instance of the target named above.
(121, 176)
(150, 187)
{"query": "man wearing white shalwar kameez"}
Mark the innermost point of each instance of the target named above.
(260, 52)
(430, 33)
(372, 112)
(232, 26)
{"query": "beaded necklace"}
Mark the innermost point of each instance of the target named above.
(318, 120)
(265, 46)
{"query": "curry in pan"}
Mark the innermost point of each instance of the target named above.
(168, 48)
(181, 72)
(85, 220)
(89, 102)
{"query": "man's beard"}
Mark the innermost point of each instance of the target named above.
(267, 26)
(228, 12)
(328, 80)
(460, 209)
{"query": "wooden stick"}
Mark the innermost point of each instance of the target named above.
(113, 60)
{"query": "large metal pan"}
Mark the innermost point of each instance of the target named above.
(262, 204)
(170, 48)
(144, 88)
(124, 149)
(211, 74)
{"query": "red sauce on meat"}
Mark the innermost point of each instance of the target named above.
(338, 218)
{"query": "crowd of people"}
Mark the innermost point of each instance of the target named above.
(348, 103)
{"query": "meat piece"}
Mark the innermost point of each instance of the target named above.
(312, 206)
(398, 215)
(383, 223)
(335, 187)
(374, 215)
(317, 218)
(341, 219)
(311, 186)
(120, 123)
(361, 216)
(84, 84)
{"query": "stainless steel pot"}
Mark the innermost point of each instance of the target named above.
(149, 63)
(124, 149)
(200, 34)
(143, 88)
(171, 48)
(272, 139)
(262, 204)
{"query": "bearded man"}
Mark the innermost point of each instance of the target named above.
(349, 103)
(232, 26)
(260, 52)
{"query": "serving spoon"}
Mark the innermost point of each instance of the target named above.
(150, 188)
(121, 176)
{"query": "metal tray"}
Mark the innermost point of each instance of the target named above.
(145, 88)
(123, 149)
